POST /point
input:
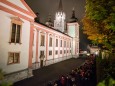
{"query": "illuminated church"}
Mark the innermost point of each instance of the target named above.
(27, 45)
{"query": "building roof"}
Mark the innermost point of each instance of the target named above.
(53, 29)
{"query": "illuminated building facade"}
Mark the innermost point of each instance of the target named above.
(27, 45)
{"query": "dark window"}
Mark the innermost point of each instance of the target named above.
(60, 43)
(56, 52)
(13, 58)
(70, 51)
(64, 43)
(41, 53)
(42, 40)
(18, 34)
(15, 35)
(64, 51)
(56, 42)
(70, 44)
(67, 51)
(50, 52)
(60, 51)
(50, 42)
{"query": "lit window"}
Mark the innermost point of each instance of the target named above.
(42, 40)
(13, 58)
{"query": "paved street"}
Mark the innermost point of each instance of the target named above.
(50, 73)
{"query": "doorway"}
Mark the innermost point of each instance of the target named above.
(41, 63)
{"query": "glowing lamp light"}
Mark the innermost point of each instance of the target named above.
(96, 52)
(88, 54)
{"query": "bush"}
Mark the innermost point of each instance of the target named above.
(1, 75)
(107, 82)
(2, 82)
(105, 68)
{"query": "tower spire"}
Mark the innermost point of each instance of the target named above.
(60, 8)
(73, 13)
(73, 18)
(59, 22)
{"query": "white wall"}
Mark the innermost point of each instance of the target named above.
(19, 3)
(5, 46)
(73, 31)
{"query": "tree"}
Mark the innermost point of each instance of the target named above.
(99, 22)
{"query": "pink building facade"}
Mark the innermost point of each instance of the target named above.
(26, 45)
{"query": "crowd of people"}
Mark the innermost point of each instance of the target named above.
(81, 76)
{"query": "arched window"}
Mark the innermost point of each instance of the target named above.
(42, 39)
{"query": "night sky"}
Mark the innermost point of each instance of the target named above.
(46, 7)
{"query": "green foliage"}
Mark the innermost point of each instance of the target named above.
(99, 21)
(105, 71)
(107, 82)
(1, 74)
(3, 83)
(6, 84)
(101, 83)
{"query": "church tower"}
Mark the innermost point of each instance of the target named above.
(73, 31)
(59, 22)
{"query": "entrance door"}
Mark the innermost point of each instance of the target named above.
(41, 63)
(42, 56)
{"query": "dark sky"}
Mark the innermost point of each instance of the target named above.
(46, 7)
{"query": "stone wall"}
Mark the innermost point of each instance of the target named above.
(36, 65)
(19, 75)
